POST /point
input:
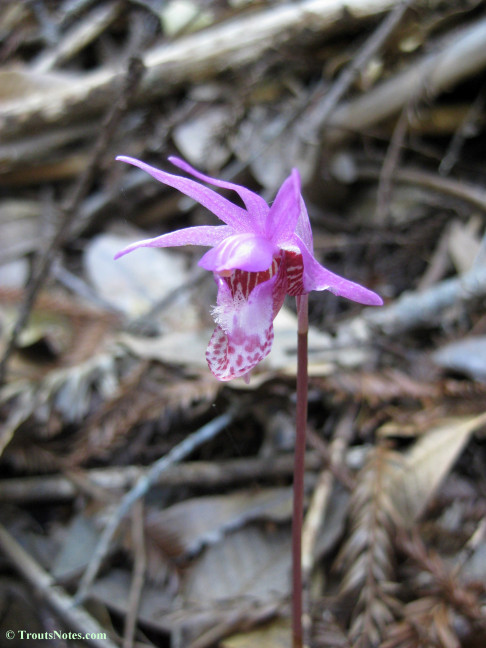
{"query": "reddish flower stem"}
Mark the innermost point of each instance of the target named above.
(299, 469)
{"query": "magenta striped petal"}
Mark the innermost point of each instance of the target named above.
(227, 211)
(203, 235)
(318, 278)
(285, 210)
(303, 229)
(257, 208)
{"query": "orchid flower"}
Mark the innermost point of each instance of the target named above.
(258, 256)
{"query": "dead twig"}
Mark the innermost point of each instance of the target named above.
(230, 44)
(414, 309)
(461, 598)
(389, 166)
(108, 480)
(138, 578)
(462, 56)
(454, 188)
(76, 618)
(317, 117)
(70, 209)
(322, 490)
(466, 128)
(83, 33)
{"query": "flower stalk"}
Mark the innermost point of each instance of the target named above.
(299, 470)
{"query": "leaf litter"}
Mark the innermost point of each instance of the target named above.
(107, 375)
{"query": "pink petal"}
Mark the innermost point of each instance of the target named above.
(240, 251)
(285, 210)
(256, 206)
(244, 332)
(228, 212)
(318, 278)
(303, 229)
(202, 235)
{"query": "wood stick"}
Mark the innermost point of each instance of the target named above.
(413, 309)
(76, 618)
(192, 473)
(462, 56)
(190, 58)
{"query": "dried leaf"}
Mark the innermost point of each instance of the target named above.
(113, 591)
(417, 477)
(184, 15)
(135, 282)
(251, 562)
(184, 528)
(49, 328)
(271, 635)
(77, 547)
(177, 348)
(160, 610)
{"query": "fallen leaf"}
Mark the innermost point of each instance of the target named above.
(414, 482)
(135, 282)
(253, 562)
(81, 538)
(184, 528)
(271, 635)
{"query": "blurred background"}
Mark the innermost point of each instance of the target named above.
(381, 106)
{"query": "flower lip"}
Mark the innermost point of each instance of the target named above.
(248, 252)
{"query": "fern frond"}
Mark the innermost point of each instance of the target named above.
(367, 557)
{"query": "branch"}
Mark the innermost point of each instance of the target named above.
(76, 618)
(463, 56)
(190, 58)
(414, 309)
(189, 474)
(70, 209)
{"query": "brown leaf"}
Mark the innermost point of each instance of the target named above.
(252, 562)
(184, 528)
(416, 477)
